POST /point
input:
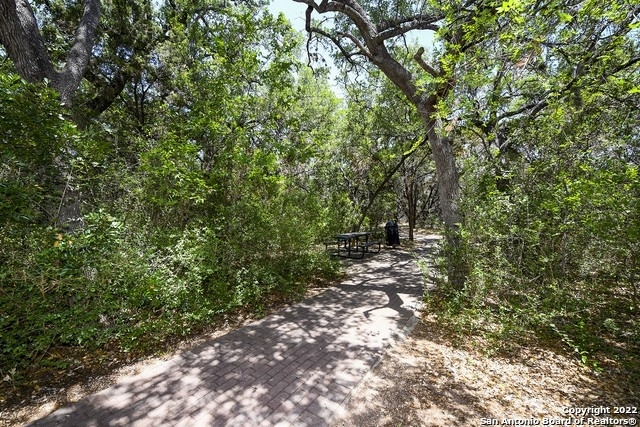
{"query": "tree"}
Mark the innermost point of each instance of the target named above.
(415, 189)
(21, 37)
(548, 113)
(552, 35)
(543, 53)
(364, 29)
(382, 135)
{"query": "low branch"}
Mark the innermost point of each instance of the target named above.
(108, 90)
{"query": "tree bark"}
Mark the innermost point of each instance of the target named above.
(69, 78)
(448, 178)
(410, 194)
(21, 38)
(20, 35)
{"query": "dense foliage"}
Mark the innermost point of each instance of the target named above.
(202, 164)
(556, 251)
(195, 192)
(547, 114)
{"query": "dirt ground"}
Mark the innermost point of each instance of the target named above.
(432, 380)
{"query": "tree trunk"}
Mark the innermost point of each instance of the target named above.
(449, 192)
(448, 179)
(443, 156)
(411, 209)
(20, 35)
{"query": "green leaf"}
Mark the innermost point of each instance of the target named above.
(565, 17)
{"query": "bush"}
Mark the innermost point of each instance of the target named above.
(556, 255)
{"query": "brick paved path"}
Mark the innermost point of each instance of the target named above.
(294, 367)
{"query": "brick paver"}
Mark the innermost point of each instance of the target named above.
(293, 368)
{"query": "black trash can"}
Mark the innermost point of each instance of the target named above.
(393, 237)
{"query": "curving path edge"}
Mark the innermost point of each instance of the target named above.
(296, 367)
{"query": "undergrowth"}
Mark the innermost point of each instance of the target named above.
(107, 288)
(596, 323)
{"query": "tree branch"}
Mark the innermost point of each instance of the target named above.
(23, 42)
(412, 20)
(108, 90)
(424, 65)
(387, 178)
(403, 26)
(310, 29)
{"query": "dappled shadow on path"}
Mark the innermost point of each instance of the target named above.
(442, 377)
(295, 366)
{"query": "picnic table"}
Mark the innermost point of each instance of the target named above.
(353, 243)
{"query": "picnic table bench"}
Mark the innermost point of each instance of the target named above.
(367, 245)
(351, 243)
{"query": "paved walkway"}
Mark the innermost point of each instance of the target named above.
(296, 367)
